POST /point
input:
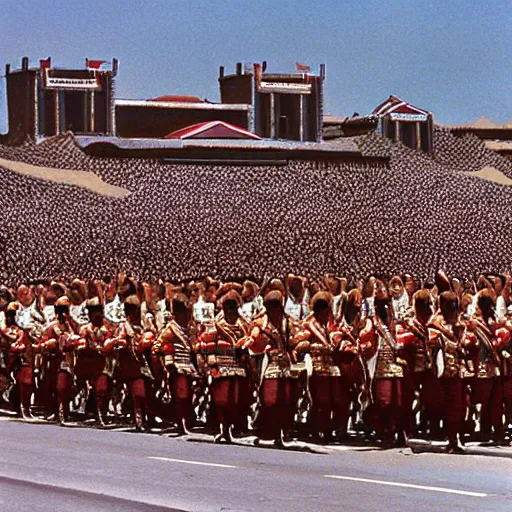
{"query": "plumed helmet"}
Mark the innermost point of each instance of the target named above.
(442, 282)
(94, 304)
(274, 296)
(63, 302)
(231, 296)
(322, 296)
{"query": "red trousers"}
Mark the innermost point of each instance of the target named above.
(277, 409)
(49, 385)
(64, 394)
(231, 396)
(352, 377)
(388, 410)
(507, 397)
(429, 388)
(181, 391)
(25, 380)
(489, 393)
(453, 401)
(327, 398)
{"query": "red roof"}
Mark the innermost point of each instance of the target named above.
(394, 105)
(212, 130)
(177, 98)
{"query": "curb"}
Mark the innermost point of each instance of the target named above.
(422, 446)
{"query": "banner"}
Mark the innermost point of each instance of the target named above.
(284, 87)
(408, 117)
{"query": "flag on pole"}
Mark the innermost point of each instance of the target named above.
(45, 63)
(94, 64)
(302, 68)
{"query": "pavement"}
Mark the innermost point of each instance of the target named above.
(47, 467)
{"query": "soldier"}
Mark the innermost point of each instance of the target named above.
(355, 382)
(279, 384)
(252, 300)
(220, 345)
(414, 334)
(297, 298)
(175, 347)
(400, 298)
(387, 369)
(505, 352)
(50, 348)
(315, 338)
(446, 339)
(28, 316)
(486, 390)
(21, 359)
(5, 343)
(131, 366)
(77, 294)
(96, 358)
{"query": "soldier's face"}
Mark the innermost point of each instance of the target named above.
(322, 312)
(409, 285)
(97, 318)
(230, 308)
(26, 296)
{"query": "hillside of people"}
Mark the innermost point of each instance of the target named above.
(69, 214)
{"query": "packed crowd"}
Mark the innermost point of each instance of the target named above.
(393, 210)
(391, 357)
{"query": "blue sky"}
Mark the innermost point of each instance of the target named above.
(451, 57)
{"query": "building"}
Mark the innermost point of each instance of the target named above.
(44, 101)
(284, 106)
(401, 121)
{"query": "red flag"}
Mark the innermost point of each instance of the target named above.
(94, 64)
(45, 63)
(257, 74)
(302, 68)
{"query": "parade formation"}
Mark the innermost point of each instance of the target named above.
(389, 358)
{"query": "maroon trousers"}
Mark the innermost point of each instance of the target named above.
(507, 397)
(181, 391)
(278, 399)
(327, 398)
(429, 388)
(25, 380)
(49, 384)
(64, 394)
(230, 396)
(351, 380)
(388, 411)
(454, 406)
(489, 393)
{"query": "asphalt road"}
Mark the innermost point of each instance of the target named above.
(50, 468)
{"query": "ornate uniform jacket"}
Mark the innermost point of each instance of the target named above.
(59, 342)
(384, 363)
(447, 346)
(219, 347)
(485, 358)
(22, 347)
(415, 336)
(174, 345)
(131, 362)
(95, 342)
(504, 348)
(317, 341)
(277, 339)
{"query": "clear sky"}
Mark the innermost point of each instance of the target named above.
(452, 57)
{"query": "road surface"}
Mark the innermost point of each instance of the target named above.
(47, 467)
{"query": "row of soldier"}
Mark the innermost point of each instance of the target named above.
(394, 357)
